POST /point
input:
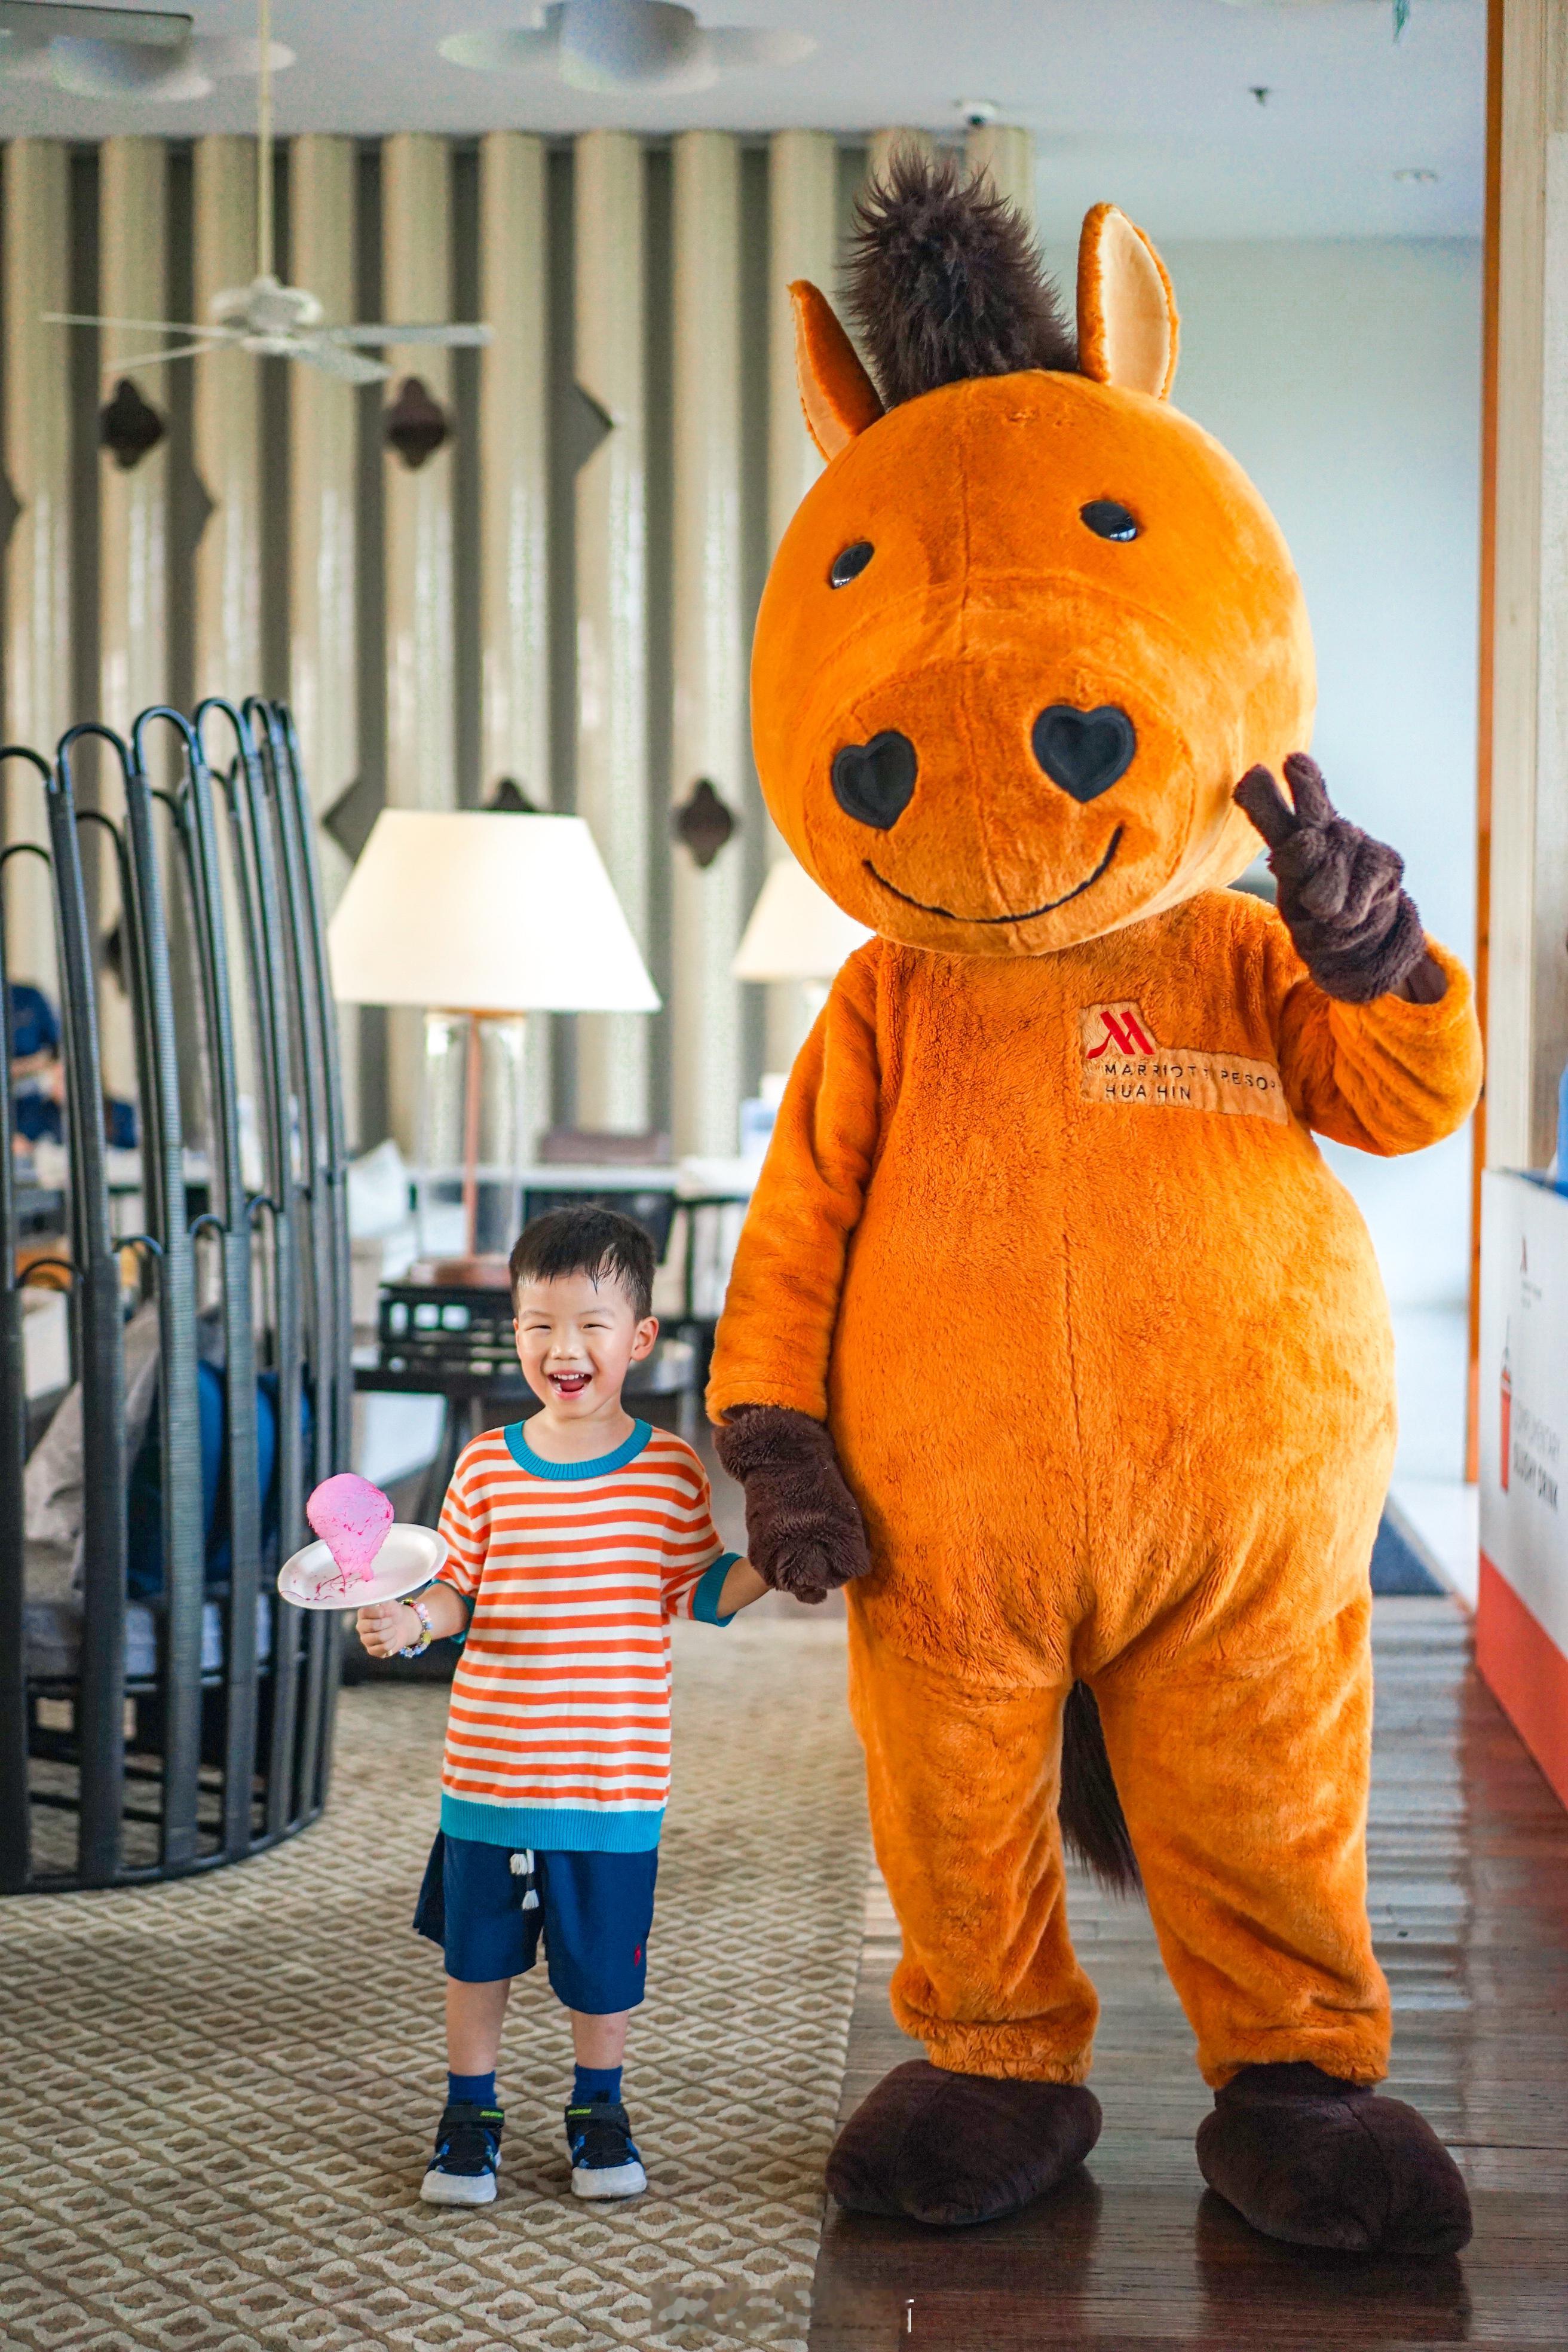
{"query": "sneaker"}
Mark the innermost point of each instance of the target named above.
(467, 2150)
(605, 2159)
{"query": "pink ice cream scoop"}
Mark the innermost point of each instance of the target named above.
(352, 1517)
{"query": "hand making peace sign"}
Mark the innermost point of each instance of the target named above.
(1355, 930)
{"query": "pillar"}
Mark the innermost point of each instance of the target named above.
(514, 551)
(710, 701)
(134, 524)
(38, 558)
(226, 428)
(884, 144)
(613, 1049)
(421, 750)
(133, 505)
(803, 242)
(323, 458)
(1005, 153)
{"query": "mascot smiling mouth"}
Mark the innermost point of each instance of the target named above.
(1048, 907)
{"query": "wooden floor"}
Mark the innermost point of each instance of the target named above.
(1470, 1870)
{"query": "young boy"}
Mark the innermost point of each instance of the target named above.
(572, 1540)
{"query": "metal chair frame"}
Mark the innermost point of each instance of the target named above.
(287, 1243)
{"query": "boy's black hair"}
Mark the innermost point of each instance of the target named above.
(599, 1243)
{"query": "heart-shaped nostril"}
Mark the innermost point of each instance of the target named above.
(1084, 751)
(873, 782)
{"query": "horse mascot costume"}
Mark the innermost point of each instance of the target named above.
(1050, 1336)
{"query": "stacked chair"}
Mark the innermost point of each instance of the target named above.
(167, 1713)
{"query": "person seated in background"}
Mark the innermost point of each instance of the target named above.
(39, 1078)
(572, 1540)
(37, 1075)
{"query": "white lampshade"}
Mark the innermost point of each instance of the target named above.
(478, 910)
(795, 931)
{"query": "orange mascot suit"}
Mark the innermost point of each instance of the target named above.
(1050, 1334)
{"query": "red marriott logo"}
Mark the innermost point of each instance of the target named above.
(1123, 1030)
(1122, 1064)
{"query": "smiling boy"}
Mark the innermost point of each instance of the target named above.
(572, 1540)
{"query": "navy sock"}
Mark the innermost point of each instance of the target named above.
(476, 2090)
(590, 2082)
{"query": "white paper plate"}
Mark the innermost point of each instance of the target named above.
(408, 1559)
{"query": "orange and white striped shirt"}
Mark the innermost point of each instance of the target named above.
(559, 1730)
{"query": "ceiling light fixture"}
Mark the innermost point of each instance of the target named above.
(122, 52)
(609, 45)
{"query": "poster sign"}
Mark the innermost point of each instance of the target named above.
(1522, 1610)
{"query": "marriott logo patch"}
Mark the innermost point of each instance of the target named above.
(1123, 1064)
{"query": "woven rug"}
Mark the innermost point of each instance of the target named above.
(218, 2096)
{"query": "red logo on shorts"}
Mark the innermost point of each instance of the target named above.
(637, 1958)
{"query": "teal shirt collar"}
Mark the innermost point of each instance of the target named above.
(523, 1455)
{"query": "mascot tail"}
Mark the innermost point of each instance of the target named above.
(1094, 1827)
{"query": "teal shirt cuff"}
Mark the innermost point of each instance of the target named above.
(709, 1586)
(457, 1639)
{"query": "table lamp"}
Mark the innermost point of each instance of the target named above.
(795, 932)
(479, 917)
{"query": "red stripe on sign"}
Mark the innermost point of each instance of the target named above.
(1521, 1662)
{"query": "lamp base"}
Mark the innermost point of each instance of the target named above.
(463, 1272)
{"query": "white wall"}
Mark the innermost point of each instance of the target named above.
(1346, 378)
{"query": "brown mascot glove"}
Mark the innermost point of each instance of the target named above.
(1357, 932)
(803, 1530)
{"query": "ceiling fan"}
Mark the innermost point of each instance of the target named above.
(119, 52)
(266, 317)
(627, 45)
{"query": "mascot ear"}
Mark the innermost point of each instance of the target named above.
(837, 395)
(1127, 323)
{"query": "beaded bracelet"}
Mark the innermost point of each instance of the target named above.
(426, 1634)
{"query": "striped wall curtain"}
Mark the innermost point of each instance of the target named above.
(551, 608)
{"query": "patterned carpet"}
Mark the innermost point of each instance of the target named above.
(218, 2096)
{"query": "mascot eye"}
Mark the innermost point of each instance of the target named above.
(849, 562)
(1108, 519)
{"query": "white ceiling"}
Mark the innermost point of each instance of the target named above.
(1147, 101)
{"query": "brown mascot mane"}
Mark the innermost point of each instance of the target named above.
(945, 283)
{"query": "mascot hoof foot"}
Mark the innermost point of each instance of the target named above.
(1316, 2161)
(951, 2148)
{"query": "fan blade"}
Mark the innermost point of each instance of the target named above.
(110, 69)
(736, 46)
(156, 359)
(346, 366)
(384, 332)
(223, 53)
(148, 326)
(499, 52)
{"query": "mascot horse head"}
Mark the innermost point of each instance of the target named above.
(1031, 625)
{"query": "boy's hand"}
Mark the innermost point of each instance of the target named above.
(803, 1530)
(388, 1627)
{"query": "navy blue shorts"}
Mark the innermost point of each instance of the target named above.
(593, 1910)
